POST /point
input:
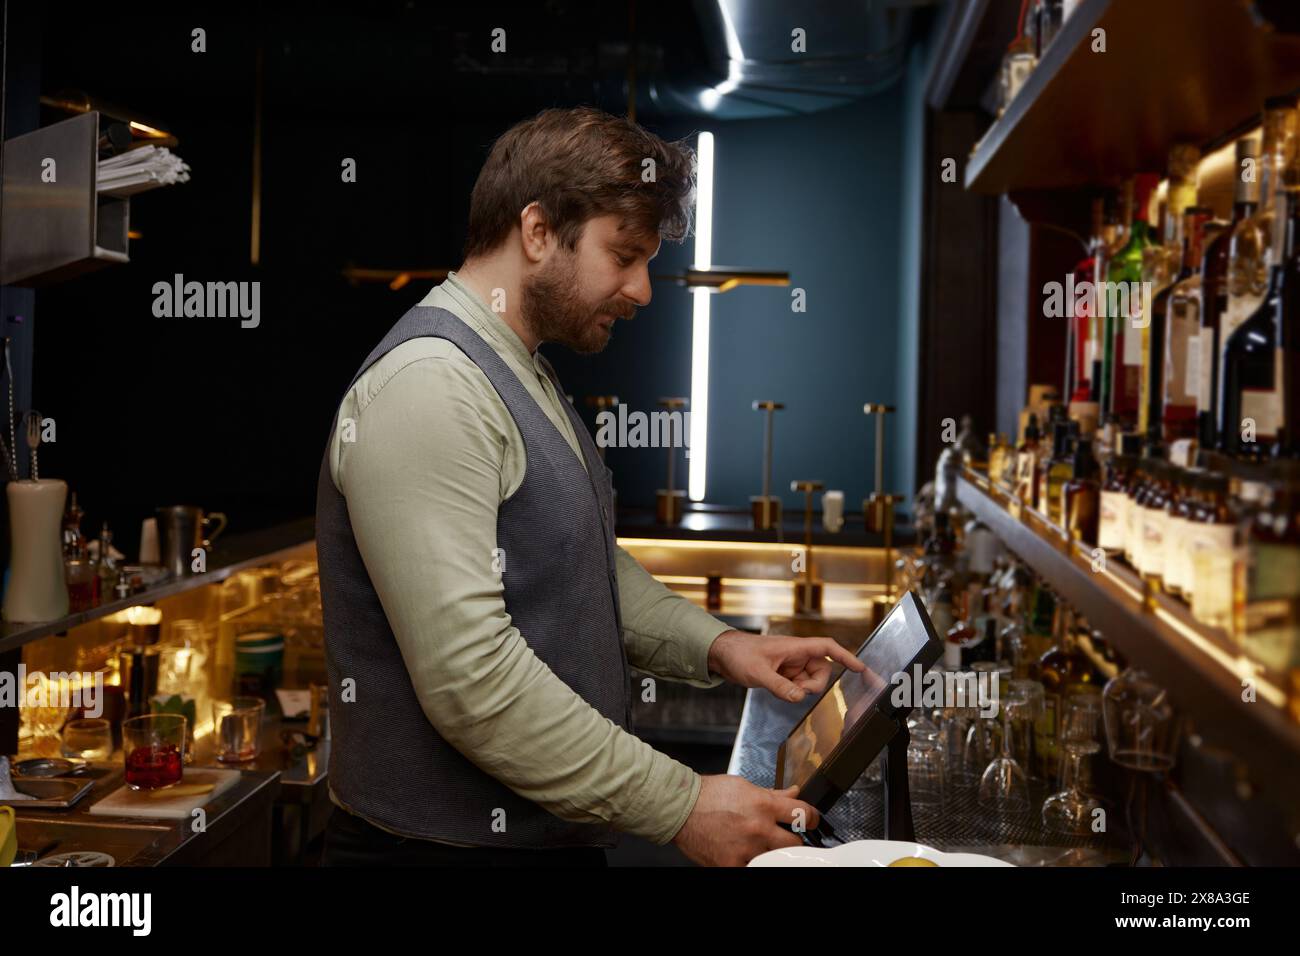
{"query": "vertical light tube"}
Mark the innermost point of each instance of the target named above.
(700, 319)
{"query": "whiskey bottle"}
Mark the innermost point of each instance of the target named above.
(1214, 292)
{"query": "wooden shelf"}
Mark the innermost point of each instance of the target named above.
(1199, 665)
(1174, 71)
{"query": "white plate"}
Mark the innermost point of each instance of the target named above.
(868, 853)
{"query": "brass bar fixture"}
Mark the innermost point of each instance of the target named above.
(765, 509)
(807, 590)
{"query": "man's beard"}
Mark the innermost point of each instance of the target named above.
(555, 312)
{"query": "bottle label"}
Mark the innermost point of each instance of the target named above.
(1193, 369)
(1132, 343)
(1205, 370)
(1133, 535)
(1154, 524)
(1240, 308)
(1212, 555)
(1113, 521)
(1178, 557)
(1182, 327)
(1269, 628)
(1274, 572)
(1263, 406)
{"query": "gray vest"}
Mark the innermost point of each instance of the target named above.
(387, 762)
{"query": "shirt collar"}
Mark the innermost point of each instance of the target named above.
(489, 322)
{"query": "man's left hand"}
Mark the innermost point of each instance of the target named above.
(788, 667)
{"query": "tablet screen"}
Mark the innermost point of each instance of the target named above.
(893, 646)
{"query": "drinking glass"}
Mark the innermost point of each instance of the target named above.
(90, 738)
(1029, 704)
(978, 749)
(154, 748)
(1004, 787)
(953, 730)
(237, 724)
(1142, 728)
(925, 772)
(1072, 810)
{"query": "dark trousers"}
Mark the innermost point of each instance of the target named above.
(351, 841)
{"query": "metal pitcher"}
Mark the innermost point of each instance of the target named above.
(180, 531)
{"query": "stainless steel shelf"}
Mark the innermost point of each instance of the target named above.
(236, 553)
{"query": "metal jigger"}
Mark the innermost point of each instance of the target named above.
(765, 509)
(669, 502)
(878, 508)
(807, 590)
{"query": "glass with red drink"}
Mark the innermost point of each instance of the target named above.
(154, 746)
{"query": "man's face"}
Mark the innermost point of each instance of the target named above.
(575, 297)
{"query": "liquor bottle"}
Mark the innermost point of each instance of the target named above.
(1081, 496)
(1271, 589)
(1057, 470)
(1060, 669)
(1256, 245)
(1154, 517)
(1026, 462)
(105, 566)
(1112, 506)
(959, 633)
(1139, 484)
(1122, 305)
(1214, 291)
(1254, 241)
(1080, 379)
(1182, 358)
(1211, 539)
(998, 452)
(939, 604)
(73, 540)
(1254, 368)
(1161, 268)
(1039, 622)
(1184, 502)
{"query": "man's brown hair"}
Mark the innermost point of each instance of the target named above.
(577, 164)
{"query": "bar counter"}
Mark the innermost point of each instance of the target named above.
(237, 830)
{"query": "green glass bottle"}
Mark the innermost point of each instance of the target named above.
(1122, 362)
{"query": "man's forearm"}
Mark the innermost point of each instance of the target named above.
(664, 632)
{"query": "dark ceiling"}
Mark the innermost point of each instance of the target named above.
(379, 59)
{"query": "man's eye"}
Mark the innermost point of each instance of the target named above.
(623, 261)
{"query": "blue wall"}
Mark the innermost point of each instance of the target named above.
(820, 197)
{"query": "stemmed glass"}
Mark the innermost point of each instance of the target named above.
(978, 749)
(1029, 696)
(1004, 787)
(1072, 810)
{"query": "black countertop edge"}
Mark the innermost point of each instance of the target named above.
(228, 555)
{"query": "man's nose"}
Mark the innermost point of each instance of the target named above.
(638, 290)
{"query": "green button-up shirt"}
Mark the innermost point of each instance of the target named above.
(435, 453)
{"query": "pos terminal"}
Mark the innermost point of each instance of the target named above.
(858, 716)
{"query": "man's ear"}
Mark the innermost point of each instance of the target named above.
(534, 232)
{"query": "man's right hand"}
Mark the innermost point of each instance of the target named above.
(734, 821)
